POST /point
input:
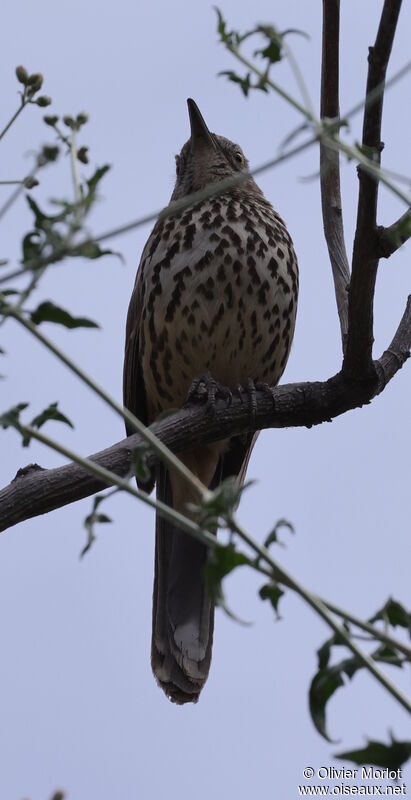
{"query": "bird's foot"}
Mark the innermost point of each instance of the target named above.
(206, 389)
(250, 390)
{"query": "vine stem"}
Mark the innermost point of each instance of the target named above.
(13, 119)
(173, 208)
(321, 609)
(366, 626)
(76, 180)
(334, 142)
(165, 454)
(209, 539)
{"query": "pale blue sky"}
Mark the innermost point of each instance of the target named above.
(79, 708)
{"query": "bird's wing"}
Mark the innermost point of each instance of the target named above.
(134, 393)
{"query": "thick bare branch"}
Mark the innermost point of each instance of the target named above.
(330, 163)
(358, 359)
(36, 491)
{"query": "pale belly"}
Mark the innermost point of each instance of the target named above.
(225, 304)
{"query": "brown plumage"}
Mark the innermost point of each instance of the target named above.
(216, 291)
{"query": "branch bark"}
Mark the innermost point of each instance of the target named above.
(330, 163)
(358, 358)
(36, 491)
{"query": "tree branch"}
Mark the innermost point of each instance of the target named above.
(391, 238)
(36, 491)
(330, 163)
(358, 358)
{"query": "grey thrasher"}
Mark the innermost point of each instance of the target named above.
(216, 292)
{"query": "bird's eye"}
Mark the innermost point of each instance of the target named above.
(239, 158)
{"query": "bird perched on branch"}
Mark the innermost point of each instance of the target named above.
(215, 294)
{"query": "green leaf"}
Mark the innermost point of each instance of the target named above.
(272, 537)
(49, 413)
(244, 83)
(11, 418)
(93, 250)
(391, 756)
(32, 246)
(273, 51)
(91, 520)
(220, 503)
(393, 613)
(325, 650)
(44, 221)
(95, 179)
(222, 561)
(92, 184)
(48, 312)
(141, 470)
(227, 37)
(273, 593)
(323, 686)
(330, 678)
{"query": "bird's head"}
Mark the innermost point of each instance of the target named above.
(205, 158)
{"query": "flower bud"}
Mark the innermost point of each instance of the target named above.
(51, 119)
(82, 118)
(69, 121)
(30, 182)
(50, 152)
(82, 155)
(34, 83)
(35, 79)
(22, 74)
(43, 101)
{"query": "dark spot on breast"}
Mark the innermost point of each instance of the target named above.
(221, 275)
(274, 344)
(262, 293)
(272, 267)
(154, 245)
(228, 291)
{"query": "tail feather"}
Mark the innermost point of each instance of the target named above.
(183, 614)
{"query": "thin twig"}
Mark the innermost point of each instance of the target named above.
(13, 118)
(176, 207)
(371, 629)
(320, 608)
(208, 539)
(330, 163)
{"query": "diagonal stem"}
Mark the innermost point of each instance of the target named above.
(330, 163)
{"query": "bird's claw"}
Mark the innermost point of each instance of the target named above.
(207, 389)
(251, 390)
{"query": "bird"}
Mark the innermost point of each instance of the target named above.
(215, 295)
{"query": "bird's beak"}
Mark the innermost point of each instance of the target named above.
(200, 135)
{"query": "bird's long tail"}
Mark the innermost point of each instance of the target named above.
(183, 614)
